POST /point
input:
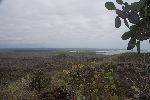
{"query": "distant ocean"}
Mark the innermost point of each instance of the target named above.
(72, 50)
(107, 51)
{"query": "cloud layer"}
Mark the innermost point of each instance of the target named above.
(58, 23)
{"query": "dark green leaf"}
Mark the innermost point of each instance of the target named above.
(131, 44)
(110, 6)
(136, 6)
(127, 7)
(119, 1)
(126, 35)
(117, 22)
(133, 27)
(134, 18)
(121, 14)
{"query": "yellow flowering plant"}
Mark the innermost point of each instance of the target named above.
(91, 80)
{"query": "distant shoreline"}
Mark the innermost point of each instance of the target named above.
(96, 51)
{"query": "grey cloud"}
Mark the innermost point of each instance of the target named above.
(11, 39)
(60, 23)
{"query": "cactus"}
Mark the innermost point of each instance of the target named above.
(138, 15)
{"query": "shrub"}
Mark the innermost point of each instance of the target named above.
(91, 82)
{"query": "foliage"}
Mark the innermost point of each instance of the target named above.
(136, 17)
(59, 93)
(94, 78)
(91, 82)
(39, 81)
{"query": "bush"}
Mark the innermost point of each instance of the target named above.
(91, 82)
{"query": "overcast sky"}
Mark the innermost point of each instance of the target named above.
(59, 24)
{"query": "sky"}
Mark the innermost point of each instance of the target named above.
(60, 24)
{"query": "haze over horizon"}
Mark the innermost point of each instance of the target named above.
(60, 24)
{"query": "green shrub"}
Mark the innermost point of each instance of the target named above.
(91, 82)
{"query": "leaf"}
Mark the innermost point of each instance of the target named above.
(127, 8)
(126, 23)
(117, 22)
(108, 74)
(110, 6)
(131, 44)
(119, 1)
(135, 88)
(115, 97)
(133, 27)
(121, 14)
(78, 98)
(126, 35)
(113, 86)
(95, 76)
(136, 6)
(134, 18)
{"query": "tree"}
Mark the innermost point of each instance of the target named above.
(136, 17)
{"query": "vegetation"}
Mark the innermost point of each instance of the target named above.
(91, 82)
(74, 76)
(136, 17)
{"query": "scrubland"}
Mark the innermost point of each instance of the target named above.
(74, 76)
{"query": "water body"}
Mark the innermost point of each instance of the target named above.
(72, 50)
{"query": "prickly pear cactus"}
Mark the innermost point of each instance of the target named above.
(136, 17)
